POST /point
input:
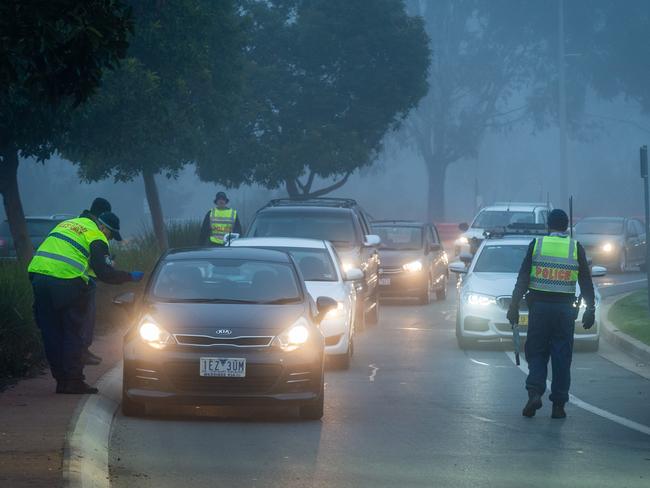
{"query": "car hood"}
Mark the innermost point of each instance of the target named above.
(474, 232)
(497, 284)
(394, 259)
(332, 289)
(596, 239)
(242, 319)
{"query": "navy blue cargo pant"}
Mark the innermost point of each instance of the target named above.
(88, 330)
(550, 335)
(60, 311)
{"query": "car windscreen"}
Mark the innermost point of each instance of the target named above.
(500, 259)
(500, 218)
(227, 281)
(399, 238)
(335, 227)
(610, 227)
(314, 264)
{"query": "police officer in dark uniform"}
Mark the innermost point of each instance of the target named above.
(59, 276)
(548, 274)
(98, 207)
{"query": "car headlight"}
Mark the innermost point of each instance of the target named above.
(337, 312)
(294, 337)
(608, 247)
(153, 334)
(413, 266)
(462, 241)
(480, 300)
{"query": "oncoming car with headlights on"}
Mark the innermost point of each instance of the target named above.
(320, 267)
(225, 326)
(485, 290)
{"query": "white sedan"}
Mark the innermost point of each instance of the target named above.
(485, 290)
(324, 276)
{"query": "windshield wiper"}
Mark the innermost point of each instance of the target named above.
(207, 300)
(281, 301)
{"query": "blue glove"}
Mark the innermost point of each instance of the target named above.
(137, 276)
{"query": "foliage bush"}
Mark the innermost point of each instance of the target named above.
(20, 339)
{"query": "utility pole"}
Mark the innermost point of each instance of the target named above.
(644, 176)
(561, 58)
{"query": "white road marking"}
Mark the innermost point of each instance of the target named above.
(483, 419)
(630, 424)
(609, 284)
(374, 372)
(478, 362)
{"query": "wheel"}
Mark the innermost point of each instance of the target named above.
(442, 293)
(132, 408)
(424, 298)
(622, 263)
(315, 410)
(342, 361)
(372, 317)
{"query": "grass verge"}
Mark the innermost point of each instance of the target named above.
(630, 315)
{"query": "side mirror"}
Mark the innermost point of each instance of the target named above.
(230, 236)
(353, 274)
(324, 305)
(597, 271)
(372, 240)
(457, 267)
(125, 300)
(435, 247)
(466, 257)
(464, 227)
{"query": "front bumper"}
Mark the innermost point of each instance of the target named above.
(400, 283)
(171, 376)
(337, 334)
(489, 323)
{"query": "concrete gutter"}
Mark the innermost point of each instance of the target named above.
(85, 454)
(620, 339)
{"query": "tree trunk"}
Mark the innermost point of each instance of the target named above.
(436, 171)
(12, 204)
(157, 220)
(292, 188)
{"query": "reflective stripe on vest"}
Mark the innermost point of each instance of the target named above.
(65, 253)
(221, 223)
(555, 265)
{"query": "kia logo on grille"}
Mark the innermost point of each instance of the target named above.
(224, 332)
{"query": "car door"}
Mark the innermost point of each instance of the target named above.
(369, 255)
(641, 241)
(437, 254)
(632, 242)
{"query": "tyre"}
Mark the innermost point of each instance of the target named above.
(424, 298)
(621, 267)
(441, 294)
(315, 410)
(132, 408)
(342, 361)
(372, 317)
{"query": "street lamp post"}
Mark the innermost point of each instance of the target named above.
(561, 58)
(644, 176)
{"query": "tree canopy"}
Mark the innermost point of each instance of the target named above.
(325, 81)
(52, 58)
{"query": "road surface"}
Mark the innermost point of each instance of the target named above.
(413, 411)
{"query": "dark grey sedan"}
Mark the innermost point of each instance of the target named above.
(225, 326)
(614, 242)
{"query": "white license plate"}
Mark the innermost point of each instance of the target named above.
(223, 367)
(384, 281)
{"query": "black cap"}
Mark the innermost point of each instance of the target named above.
(558, 220)
(112, 222)
(221, 196)
(99, 206)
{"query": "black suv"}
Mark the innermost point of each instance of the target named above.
(341, 221)
(37, 227)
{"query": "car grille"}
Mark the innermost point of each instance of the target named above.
(243, 341)
(504, 303)
(258, 381)
(390, 270)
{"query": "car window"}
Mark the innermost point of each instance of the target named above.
(543, 217)
(639, 227)
(500, 218)
(500, 259)
(600, 226)
(399, 238)
(435, 238)
(41, 228)
(338, 228)
(314, 264)
(226, 280)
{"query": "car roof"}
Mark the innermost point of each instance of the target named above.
(514, 207)
(245, 253)
(306, 209)
(510, 240)
(279, 242)
(48, 218)
(610, 219)
(397, 223)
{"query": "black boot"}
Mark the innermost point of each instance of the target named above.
(534, 404)
(558, 411)
(77, 387)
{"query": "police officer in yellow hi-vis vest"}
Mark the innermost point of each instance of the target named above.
(59, 273)
(218, 222)
(551, 269)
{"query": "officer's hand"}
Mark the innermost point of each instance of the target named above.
(589, 318)
(136, 276)
(513, 314)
